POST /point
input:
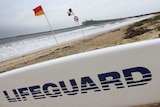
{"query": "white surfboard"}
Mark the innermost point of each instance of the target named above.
(119, 76)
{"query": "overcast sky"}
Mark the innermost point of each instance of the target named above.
(17, 16)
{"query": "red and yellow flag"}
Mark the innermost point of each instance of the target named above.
(38, 11)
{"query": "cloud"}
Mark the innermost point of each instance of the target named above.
(18, 18)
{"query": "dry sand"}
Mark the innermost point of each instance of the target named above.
(108, 39)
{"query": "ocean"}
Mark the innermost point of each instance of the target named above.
(22, 45)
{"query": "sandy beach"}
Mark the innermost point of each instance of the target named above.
(148, 30)
(108, 39)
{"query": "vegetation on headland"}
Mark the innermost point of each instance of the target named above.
(143, 26)
(94, 22)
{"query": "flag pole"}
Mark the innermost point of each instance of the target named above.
(81, 29)
(70, 13)
(50, 28)
(76, 20)
(39, 11)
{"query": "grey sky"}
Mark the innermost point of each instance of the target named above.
(17, 17)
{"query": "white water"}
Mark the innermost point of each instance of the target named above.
(19, 48)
